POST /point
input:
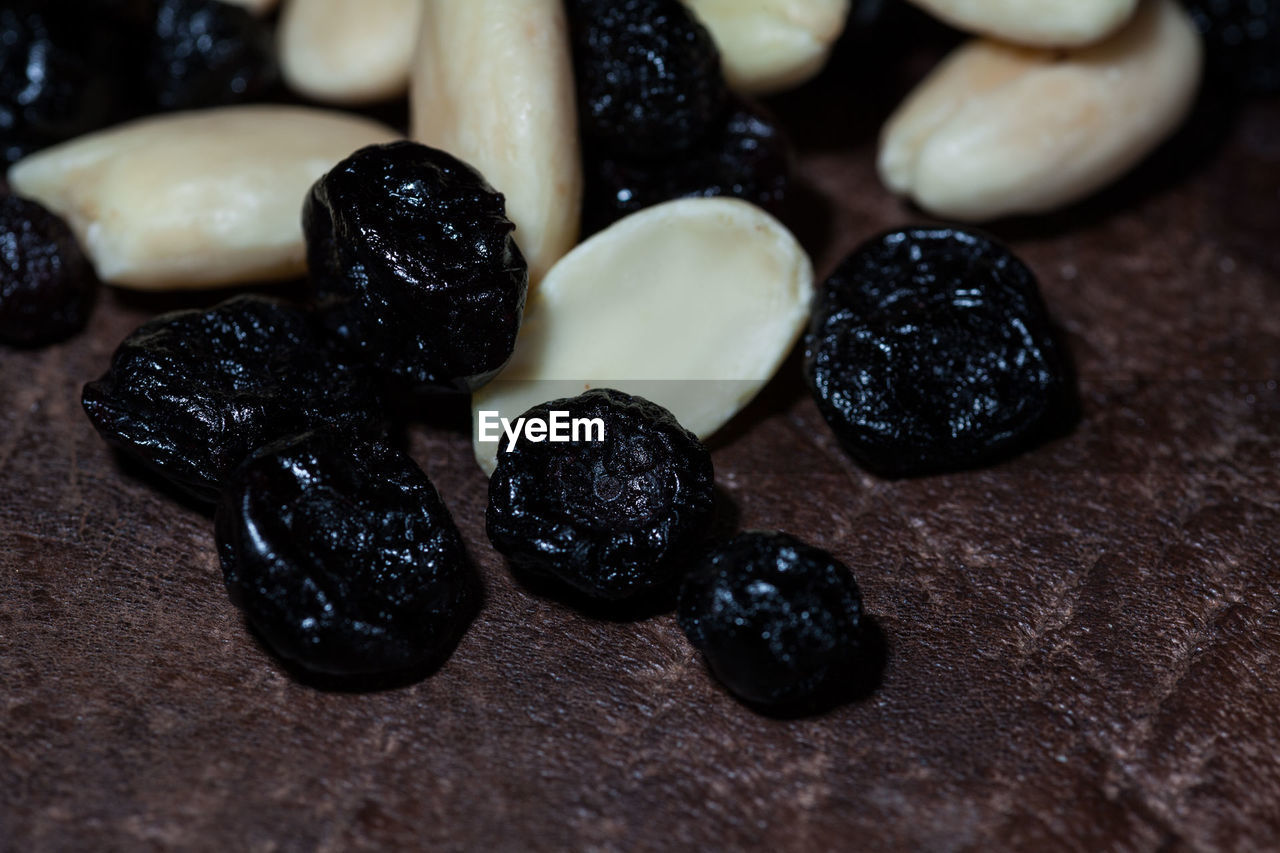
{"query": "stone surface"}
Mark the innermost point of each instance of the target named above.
(1083, 642)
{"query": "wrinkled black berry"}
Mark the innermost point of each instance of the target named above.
(62, 73)
(777, 620)
(612, 519)
(46, 284)
(648, 75)
(191, 394)
(931, 350)
(749, 157)
(343, 556)
(1242, 38)
(206, 53)
(414, 264)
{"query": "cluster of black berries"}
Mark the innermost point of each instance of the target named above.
(658, 121)
(336, 545)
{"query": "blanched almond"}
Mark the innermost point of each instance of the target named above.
(998, 130)
(1040, 23)
(493, 85)
(348, 51)
(197, 199)
(693, 304)
(771, 45)
(257, 7)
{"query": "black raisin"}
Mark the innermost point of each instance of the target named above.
(191, 394)
(749, 158)
(777, 620)
(648, 75)
(343, 556)
(930, 350)
(46, 284)
(61, 73)
(1242, 38)
(613, 518)
(206, 53)
(414, 264)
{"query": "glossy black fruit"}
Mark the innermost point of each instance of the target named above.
(343, 556)
(193, 393)
(414, 264)
(748, 157)
(930, 350)
(46, 284)
(63, 72)
(612, 518)
(648, 75)
(777, 620)
(1242, 38)
(206, 53)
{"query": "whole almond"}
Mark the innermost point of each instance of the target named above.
(493, 85)
(998, 130)
(767, 46)
(197, 199)
(348, 51)
(692, 304)
(1038, 23)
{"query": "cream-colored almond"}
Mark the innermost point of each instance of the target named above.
(198, 199)
(257, 7)
(693, 304)
(1038, 23)
(770, 45)
(493, 85)
(348, 51)
(997, 130)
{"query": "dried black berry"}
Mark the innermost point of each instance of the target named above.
(206, 53)
(777, 620)
(612, 518)
(648, 75)
(748, 158)
(191, 394)
(1242, 38)
(930, 350)
(343, 556)
(61, 73)
(414, 264)
(46, 284)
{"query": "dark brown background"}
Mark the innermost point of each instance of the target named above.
(1084, 643)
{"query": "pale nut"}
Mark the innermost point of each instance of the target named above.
(693, 304)
(997, 130)
(197, 199)
(348, 51)
(493, 85)
(768, 46)
(1038, 23)
(257, 7)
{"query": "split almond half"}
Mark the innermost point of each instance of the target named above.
(767, 46)
(197, 199)
(998, 130)
(692, 304)
(1039, 23)
(493, 85)
(348, 51)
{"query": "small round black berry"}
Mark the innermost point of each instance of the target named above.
(648, 75)
(343, 556)
(777, 620)
(612, 518)
(207, 53)
(930, 350)
(414, 264)
(747, 156)
(193, 393)
(46, 284)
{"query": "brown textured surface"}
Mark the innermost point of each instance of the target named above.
(1084, 642)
